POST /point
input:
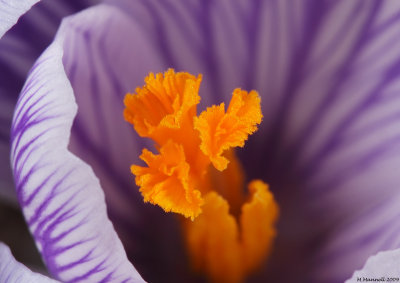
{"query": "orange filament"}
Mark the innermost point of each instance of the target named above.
(227, 237)
(229, 183)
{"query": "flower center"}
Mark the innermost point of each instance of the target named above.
(195, 173)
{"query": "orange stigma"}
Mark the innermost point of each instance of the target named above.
(196, 173)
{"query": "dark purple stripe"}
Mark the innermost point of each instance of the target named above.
(83, 259)
(32, 196)
(97, 268)
(313, 19)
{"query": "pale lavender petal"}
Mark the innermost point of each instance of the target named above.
(61, 198)
(106, 55)
(10, 11)
(19, 48)
(330, 140)
(329, 135)
(383, 266)
(109, 56)
(11, 271)
(338, 136)
(331, 144)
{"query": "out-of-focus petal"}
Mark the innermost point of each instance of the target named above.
(61, 198)
(327, 96)
(106, 57)
(214, 38)
(11, 271)
(383, 266)
(327, 72)
(19, 48)
(10, 11)
(336, 133)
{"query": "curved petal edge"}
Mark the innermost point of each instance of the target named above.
(11, 10)
(62, 199)
(12, 271)
(382, 266)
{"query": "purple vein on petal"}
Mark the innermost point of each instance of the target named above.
(85, 258)
(85, 276)
(253, 37)
(44, 205)
(295, 76)
(31, 197)
(358, 165)
(362, 241)
(102, 160)
(353, 115)
(332, 95)
(337, 37)
(55, 186)
(100, 152)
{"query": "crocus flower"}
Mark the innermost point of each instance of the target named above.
(327, 74)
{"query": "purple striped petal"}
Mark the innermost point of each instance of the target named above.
(105, 57)
(328, 75)
(61, 198)
(10, 11)
(19, 48)
(12, 271)
(383, 267)
(336, 136)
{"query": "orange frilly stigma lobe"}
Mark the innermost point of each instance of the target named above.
(166, 102)
(166, 181)
(220, 131)
(196, 173)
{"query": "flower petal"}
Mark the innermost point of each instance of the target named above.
(307, 67)
(12, 271)
(10, 11)
(328, 145)
(19, 48)
(210, 38)
(382, 265)
(61, 197)
(106, 57)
